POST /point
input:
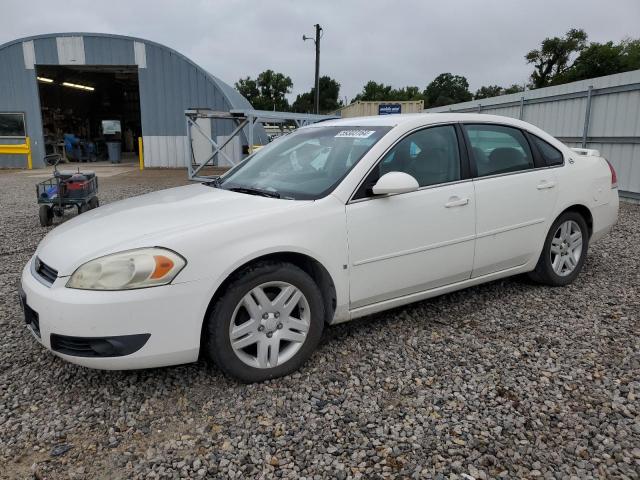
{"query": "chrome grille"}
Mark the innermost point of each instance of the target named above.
(45, 272)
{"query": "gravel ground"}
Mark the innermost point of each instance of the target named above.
(505, 380)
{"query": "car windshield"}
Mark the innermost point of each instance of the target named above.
(305, 165)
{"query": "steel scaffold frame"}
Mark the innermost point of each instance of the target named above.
(241, 119)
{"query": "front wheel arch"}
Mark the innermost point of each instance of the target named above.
(310, 265)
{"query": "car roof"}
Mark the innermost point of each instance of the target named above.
(409, 121)
(417, 119)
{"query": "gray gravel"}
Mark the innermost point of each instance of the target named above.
(505, 380)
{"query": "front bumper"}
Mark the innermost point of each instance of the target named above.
(169, 316)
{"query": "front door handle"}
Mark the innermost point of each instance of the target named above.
(544, 184)
(456, 201)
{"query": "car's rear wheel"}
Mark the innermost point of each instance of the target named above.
(267, 322)
(564, 251)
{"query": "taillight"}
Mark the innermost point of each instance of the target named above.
(614, 177)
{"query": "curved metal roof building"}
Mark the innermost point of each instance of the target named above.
(168, 82)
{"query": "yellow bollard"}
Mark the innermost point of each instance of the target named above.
(140, 153)
(29, 159)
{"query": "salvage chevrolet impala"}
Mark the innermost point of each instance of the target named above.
(335, 221)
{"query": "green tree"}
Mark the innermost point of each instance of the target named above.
(329, 97)
(552, 58)
(273, 90)
(374, 92)
(248, 88)
(379, 92)
(599, 59)
(496, 90)
(488, 91)
(267, 92)
(304, 102)
(514, 88)
(446, 89)
(407, 94)
(596, 60)
(631, 54)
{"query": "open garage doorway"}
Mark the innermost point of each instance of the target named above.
(90, 113)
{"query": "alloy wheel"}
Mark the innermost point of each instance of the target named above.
(270, 324)
(566, 248)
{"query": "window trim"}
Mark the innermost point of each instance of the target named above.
(24, 123)
(463, 154)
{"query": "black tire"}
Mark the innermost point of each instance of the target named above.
(94, 203)
(57, 211)
(544, 272)
(83, 208)
(46, 215)
(216, 332)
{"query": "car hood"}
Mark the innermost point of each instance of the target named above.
(143, 221)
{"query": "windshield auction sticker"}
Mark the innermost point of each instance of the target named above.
(355, 133)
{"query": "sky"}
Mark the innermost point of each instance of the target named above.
(400, 42)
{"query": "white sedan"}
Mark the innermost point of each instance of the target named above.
(335, 221)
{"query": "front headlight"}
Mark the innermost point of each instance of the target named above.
(140, 268)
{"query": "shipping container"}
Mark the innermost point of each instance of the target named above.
(366, 109)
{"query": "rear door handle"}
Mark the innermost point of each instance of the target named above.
(456, 201)
(545, 185)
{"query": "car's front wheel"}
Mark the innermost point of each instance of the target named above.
(267, 322)
(564, 251)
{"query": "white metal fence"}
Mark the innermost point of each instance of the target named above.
(601, 113)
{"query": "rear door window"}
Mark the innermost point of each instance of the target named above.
(550, 154)
(498, 149)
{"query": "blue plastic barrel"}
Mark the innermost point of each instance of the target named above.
(114, 149)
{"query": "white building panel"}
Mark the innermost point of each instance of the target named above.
(202, 148)
(233, 150)
(165, 151)
(70, 50)
(29, 54)
(140, 52)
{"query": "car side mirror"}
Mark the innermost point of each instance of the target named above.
(395, 182)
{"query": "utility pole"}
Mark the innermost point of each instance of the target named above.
(317, 82)
(317, 100)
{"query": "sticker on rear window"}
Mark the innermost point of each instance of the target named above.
(355, 133)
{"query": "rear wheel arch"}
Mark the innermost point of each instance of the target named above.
(546, 270)
(583, 211)
(308, 264)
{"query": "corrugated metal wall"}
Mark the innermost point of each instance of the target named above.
(19, 93)
(169, 84)
(613, 123)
